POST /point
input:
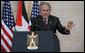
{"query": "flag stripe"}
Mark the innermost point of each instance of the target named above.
(6, 38)
(24, 13)
(24, 26)
(24, 18)
(3, 49)
(29, 27)
(7, 29)
(4, 46)
(12, 31)
(19, 14)
(7, 26)
(6, 33)
(5, 42)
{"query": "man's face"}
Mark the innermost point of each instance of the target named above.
(45, 11)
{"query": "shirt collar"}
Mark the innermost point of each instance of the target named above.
(46, 20)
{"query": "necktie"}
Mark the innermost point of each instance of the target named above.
(45, 24)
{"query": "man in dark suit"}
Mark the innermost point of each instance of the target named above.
(47, 22)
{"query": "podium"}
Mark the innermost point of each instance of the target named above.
(45, 42)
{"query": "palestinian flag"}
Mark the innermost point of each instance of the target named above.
(22, 22)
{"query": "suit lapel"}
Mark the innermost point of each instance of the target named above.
(42, 24)
(49, 23)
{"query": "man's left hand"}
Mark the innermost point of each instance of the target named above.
(69, 25)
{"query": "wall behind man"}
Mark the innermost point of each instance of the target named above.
(70, 10)
(65, 10)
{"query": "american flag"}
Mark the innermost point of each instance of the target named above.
(7, 27)
(35, 10)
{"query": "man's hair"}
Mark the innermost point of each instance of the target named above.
(44, 3)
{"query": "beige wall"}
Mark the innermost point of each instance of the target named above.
(65, 10)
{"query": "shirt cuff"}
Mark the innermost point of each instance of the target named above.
(67, 31)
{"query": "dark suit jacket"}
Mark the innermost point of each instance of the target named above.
(53, 24)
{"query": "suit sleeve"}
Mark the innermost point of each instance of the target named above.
(60, 28)
(35, 25)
